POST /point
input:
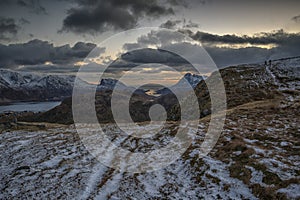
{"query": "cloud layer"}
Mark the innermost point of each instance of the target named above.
(257, 48)
(37, 52)
(276, 37)
(94, 16)
(40, 55)
(8, 29)
(227, 49)
(33, 6)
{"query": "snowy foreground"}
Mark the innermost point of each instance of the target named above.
(256, 157)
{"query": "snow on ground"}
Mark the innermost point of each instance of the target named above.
(292, 191)
(54, 164)
(256, 157)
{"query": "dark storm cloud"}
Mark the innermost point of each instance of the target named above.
(37, 52)
(191, 24)
(276, 37)
(48, 68)
(162, 37)
(93, 16)
(8, 29)
(186, 3)
(296, 18)
(150, 57)
(170, 24)
(33, 6)
(174, 24)
(286, 45)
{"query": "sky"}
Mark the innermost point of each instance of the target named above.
(56, 36)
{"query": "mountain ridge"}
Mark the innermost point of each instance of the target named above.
(243, 84)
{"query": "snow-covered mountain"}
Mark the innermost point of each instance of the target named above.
(188, 78)
(24, 86)
(10, 78)
(192, 79)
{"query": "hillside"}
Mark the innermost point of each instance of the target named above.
(243, 84)
(256, 157)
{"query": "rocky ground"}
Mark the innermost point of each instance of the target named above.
(256, 157)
